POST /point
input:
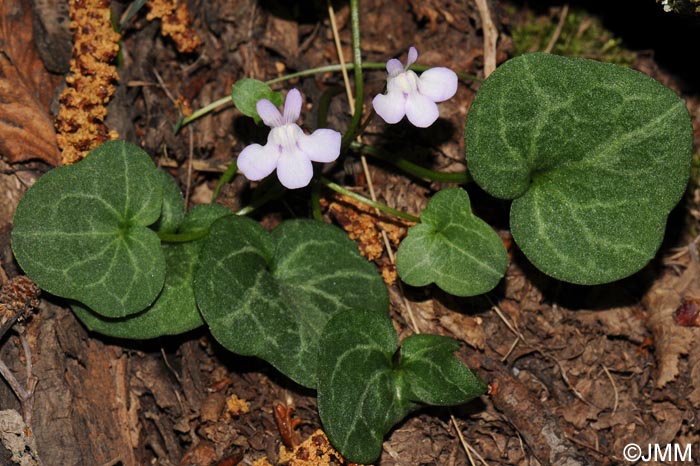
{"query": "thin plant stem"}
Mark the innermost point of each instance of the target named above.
(270, 190)
(359, 85)
(410, 167)
(225, 178)
(360, 198)
(310, 72)
(316, 201)
(370, 65)
(203, 111)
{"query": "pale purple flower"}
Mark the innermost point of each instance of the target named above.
(288, 149)
(414, 96)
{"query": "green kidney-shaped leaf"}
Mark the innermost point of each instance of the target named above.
(594, 155)
(362, 392)
(452, 248)
(175, 310)
(270, 295)
(80, 230)
(246, 93)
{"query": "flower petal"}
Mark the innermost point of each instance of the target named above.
(323, 145)
(269, 113)
(421, 111)
(292, 106)
(294, 169)
(438, 84)
(412, 56)
(394, 67)
(391, 107)
(256, 161)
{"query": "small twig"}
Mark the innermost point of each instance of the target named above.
(18, 297)
(341, 58)
(32, 381)
(510, 326)
(490, 37)
(113, 462)
(164, 87)
(560, 27)
(612, 382)
(511, 349)
(467, 448)
(11, 380)
(197, 165)
(562, 372)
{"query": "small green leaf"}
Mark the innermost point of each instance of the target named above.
(270, 295)
(173, 209)
(452, 248)
(594, 155)
(246, 93)
(81, 231)
(434, 375)
(362, 392)
(175, 310)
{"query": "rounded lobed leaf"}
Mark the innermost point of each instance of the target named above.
(594, 155)
(247, 92)
(357, 390)
(175, 310)
(434, 375)
(270, 295)
(80, 232)
(452, 248)
(362, 392)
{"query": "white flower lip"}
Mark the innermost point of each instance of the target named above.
(288, 149)
(413, 96)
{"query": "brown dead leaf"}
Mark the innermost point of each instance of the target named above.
(627, 321)
(670, 421)
(671, 340)
(282, 36)
(26, 89)
(466, 328)
(26, 131)
(17, 42)
(694, 363)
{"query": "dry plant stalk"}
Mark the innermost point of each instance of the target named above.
(174, 23)
(80, 120)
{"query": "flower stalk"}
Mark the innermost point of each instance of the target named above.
(360, 198)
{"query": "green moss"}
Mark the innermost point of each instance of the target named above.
(583, 35)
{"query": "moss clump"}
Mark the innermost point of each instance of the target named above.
(583, 35)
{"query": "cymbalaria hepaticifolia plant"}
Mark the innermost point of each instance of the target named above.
(413, 96)
(593, 156)
(288, 149)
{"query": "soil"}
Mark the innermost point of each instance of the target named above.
(575, 373)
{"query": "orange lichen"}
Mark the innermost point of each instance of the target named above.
(174, 23)
(365, 227)
(236, 406)
(262, 462)
(314, 451)
(90, 85)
